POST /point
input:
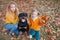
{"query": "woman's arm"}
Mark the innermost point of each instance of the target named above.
(9, 19)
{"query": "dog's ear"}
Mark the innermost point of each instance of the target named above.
(25, 15)
(20, 15)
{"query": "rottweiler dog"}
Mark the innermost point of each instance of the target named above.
(23, 24)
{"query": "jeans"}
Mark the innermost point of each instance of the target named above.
(35, 33)
(12, 28)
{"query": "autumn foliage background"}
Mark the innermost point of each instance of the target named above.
(50, 8)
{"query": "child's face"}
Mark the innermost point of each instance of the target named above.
(35, 14)
(12, 7)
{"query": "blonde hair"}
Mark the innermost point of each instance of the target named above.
(8, 8)
(34, 10)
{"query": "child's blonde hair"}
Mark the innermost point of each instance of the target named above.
(16, 9)
(34, 10)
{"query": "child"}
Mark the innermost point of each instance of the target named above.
(23, 25)
(11, 18)
(35, 23)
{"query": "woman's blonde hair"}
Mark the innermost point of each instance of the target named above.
(16, 9)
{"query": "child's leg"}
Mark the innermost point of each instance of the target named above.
(14, 36)
(32, 32)
(13, 29)
(16, 32)
(37, 35)
(6, 28)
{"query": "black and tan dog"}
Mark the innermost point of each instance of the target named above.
(23, 26)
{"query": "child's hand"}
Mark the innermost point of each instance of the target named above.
(43, 20)
(44, 17)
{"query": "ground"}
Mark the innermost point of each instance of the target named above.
(51, 8)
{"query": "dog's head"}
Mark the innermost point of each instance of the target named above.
(22, 16)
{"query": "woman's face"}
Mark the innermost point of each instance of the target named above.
(12, 7)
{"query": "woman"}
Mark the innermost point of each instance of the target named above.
(11, 18)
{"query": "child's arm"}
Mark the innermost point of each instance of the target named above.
(42, 21)
(29, 22)
(9, 19)
(45, 18)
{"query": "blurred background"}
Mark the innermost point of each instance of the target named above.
(50, 8)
